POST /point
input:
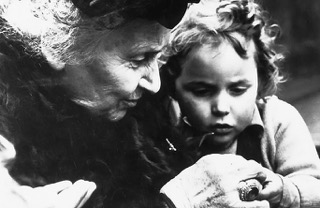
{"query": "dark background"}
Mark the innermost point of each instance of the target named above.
(300, 35)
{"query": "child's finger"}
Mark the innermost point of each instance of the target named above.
(265, 193)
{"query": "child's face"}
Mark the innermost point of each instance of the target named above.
(217, 90)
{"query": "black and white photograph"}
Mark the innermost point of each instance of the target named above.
(159, 104)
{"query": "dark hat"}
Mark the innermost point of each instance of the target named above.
(167, 12)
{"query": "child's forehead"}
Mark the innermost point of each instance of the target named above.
(238, 42)
(245, 41)
(247, 45)
(244, 48)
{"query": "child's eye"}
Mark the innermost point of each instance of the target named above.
(238, 90)
(201, 92)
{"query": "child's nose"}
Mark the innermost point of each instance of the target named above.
(221, 105)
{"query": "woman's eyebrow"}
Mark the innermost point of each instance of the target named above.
(150, 47)
(143, 49)
(143, 53)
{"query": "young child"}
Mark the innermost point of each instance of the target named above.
(223, 72)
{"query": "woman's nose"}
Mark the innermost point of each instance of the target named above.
(151, 79)
(221, 105)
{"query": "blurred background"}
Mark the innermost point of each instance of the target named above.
(300, 35)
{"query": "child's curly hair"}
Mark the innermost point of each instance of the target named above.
(213, 21)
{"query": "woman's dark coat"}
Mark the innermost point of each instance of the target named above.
(57, 140)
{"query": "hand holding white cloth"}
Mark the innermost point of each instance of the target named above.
(214, 182)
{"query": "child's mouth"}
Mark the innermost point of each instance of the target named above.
(222, 129)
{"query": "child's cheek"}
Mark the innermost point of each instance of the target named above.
(199, 113)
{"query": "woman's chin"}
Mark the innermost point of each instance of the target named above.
(116, 116)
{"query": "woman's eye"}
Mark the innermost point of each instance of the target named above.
(138, 62)
(144, 60)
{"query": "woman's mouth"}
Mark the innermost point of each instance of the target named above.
(130, 103)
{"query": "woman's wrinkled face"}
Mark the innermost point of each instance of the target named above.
(217, 90)
(126, 67)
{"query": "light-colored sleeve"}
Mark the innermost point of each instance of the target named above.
(9, 197)
(294, 157)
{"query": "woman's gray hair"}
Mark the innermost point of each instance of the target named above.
(55, 28)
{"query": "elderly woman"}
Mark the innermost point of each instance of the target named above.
(68, 71)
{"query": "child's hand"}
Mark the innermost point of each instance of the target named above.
(272, 188)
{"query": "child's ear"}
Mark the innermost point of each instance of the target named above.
(261, 88)
(174, 111)
(168, 78)
(172, 90)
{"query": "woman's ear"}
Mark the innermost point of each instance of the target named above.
(57, 65)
